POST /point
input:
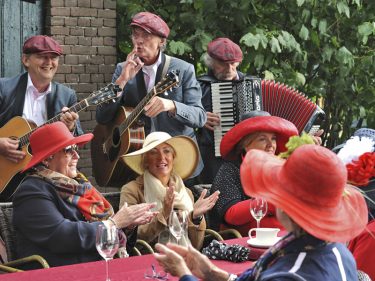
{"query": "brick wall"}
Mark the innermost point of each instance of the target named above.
(86, 29)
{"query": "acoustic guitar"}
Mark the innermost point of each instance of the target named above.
(122, 136)
(19, 128)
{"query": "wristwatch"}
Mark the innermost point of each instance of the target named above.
(232, 277)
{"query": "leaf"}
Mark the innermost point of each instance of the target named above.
(300, 2)
(250, 40)
(300, 78)
(327, 53)
(178, 47)
(323, 26)
(259, 60)
(343, 8)
(275, 46)
(304, 33)
(366, 29)
(268, 75)
(345, 56)
(314, 22)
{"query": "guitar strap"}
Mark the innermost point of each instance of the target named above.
(166, 65)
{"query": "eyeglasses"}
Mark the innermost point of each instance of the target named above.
(70, 149)
(143, 35)
(156, 275)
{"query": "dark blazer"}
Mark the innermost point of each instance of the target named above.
(46, 225)
(190, 113)
(12, 99)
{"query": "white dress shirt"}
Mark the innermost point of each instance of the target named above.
(35, 108)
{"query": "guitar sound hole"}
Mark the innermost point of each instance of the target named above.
(116, 137)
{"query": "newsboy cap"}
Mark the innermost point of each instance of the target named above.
(225, 50)
(151, 23)
(41, 44)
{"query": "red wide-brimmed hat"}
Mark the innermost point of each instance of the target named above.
(51, 138)
(310, 186)
(151, 23)
(273, 124)
(225, 50)
(41, 44)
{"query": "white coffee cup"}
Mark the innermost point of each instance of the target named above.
(264, 235)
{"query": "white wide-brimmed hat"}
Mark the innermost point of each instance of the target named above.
(186, 149)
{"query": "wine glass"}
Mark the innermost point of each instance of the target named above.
(258, 209)
(107, 243)
(178, 223)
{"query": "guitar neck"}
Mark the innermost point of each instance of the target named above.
(25, 139)
(137, 110)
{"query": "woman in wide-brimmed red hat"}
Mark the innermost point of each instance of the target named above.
(56, 209)
(258, 131)
(314, 203)
(358, 154)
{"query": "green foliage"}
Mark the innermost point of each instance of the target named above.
(326, 49)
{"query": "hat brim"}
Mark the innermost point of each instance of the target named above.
(262, 176)
(80, 140)
(184, 163)
(284, 129)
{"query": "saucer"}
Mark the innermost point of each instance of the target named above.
(262, 244)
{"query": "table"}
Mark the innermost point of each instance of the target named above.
(131, 269)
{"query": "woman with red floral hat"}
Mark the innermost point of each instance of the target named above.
(358, 154)
(56, 209)
(313, 202)
(259, 131)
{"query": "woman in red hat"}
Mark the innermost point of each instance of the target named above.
(314, 203)
(358, 154)
(259, 131)
(56, 209)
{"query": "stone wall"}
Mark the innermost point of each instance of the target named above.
(86, 29)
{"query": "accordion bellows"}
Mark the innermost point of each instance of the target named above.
(283, 101)
(233, 98)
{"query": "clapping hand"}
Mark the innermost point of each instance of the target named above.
(180, 261)
(168, 202)
(202, 205)
(131, 216)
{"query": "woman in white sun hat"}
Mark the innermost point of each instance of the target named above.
(162, 163)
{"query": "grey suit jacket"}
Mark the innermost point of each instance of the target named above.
(12, 99)
(190, 113)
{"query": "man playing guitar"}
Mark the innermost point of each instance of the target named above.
(177, 112)
(33, 95)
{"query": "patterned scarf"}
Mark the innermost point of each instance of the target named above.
(279, 250)
(78, 192)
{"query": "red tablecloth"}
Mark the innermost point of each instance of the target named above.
(131, 269)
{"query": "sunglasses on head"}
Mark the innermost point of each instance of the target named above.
(70, 149)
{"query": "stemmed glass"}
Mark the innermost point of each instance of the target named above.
(107, 243)
(258, 209)
(178, 223)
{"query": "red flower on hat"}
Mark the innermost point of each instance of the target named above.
(362, 170)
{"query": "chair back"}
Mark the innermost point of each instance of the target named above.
(7, 230)
(114, 199)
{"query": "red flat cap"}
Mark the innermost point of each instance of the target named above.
(151, 23)
(41, 44)
(225, 50)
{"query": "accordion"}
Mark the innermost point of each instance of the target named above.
(233, 98)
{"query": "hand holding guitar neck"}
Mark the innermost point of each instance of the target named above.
(130, 68)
